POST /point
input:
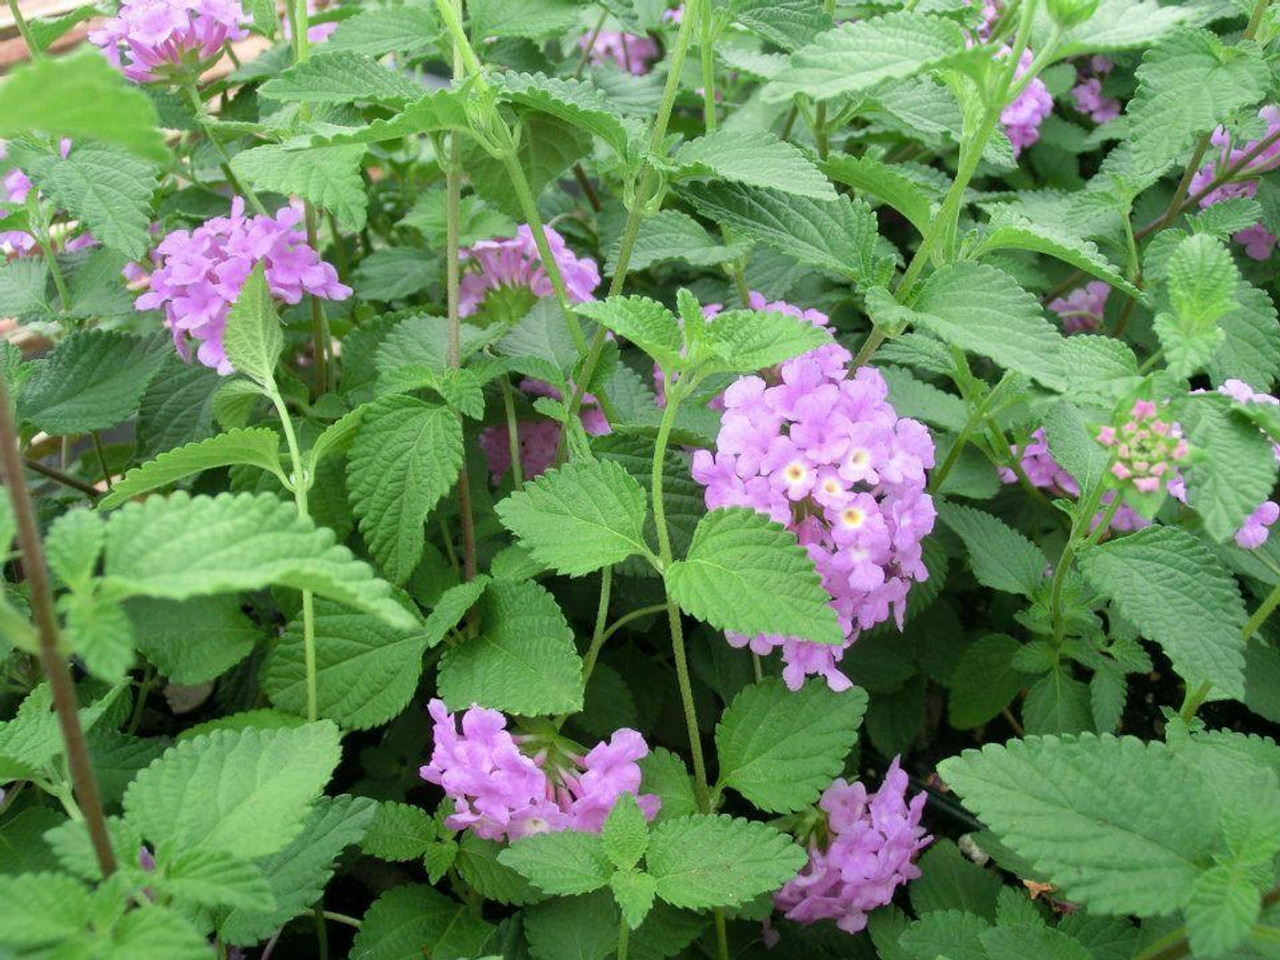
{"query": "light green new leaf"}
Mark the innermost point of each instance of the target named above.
(646, 323)
(1001, 557)
(1170, 586)
(181, 547)
(254, 337)
(531, 18)
(781, 748)
(717, 861)
(411, 918)
(747, 574)
(579, 517)
(837, 235)
(244, 793)
(256, 447)
(625, 833)
(1080, 810)
(746, 341)
(859, 54)
(72, 545)
(100, 634)
(634, 892)
(1116, 26)
(1202, 280)
(452, 605)
(327, 176)
(41, 908)
(562, 864)
(214, 878)
(399, 831)
(787, 23)
(886, 183)
(523, 661)
(405, 457)
(342, 77)
(83, 97)
(754, 158)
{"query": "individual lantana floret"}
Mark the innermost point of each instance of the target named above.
(157, 40)
(1258, 242)
(201, 272)
(1081, 310)
(820, 449)
(1146, 448)
(500, 792)
(631, 52)
(862, 847)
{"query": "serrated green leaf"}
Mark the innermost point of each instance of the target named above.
(1168, 584)
(781, 748)
(787, 23)
(72, 545)
(31, 740)
(717, 861)
(547, 147)
(579, 517)
(1057, 703)
(523, 661)
(753, 158)
(253, 336)
(1010, 231)
(410, 30)
(1001, 557)
(563, 864)
(886, 183)
(574, 101)
(672, 235)
(410, 919)
(244, 793)
(746, 574)
(665, 775)
(1202, 280)
(1079, 809)
(258, 447)
(646, 323)
(342, 77)
(634, 893)
(193, 641)
(1224, 905)
(1117, 25)
(951, 881)
(100, 633)
(327, 176)
(984, 681)
(1233, 469)
(181, 547)
(398, 831)
(24, 289)
(1019, 942)
(1251, 349)
(434, 111)
(90, 381)
(214, 878)
(41, 908)
(746, 341)
(533, 18)
(477, 861)
(626, 833)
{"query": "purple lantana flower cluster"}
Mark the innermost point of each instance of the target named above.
(1257, 240)
(819, 448)
(515, 262)
(1087, 93)
(632, 52)
(865, 851)
(1021, 119)
(201, 272)
(1081, 310)
(539, 439)
(502, 793)
(149, 40)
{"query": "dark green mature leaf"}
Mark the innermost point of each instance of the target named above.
(92, 380)
(563, 864)
(192, 641)
(405, 457)
(746, 574)
(672, 235)
(1018, 942)
(1224, 906)
(1251, 349)
(886, 183)
(1168, 584)
(399, 831)
(1009, 231)
(574, 101)
(781, 748)
(548, 147)
(412, 921)
(718, 861)
(984, 681)
(1001, 557)
(951, 881)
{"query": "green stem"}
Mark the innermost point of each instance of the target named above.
(343, 918)
(21, 22)
(953, 455)
(202, 121)
(513, 431)
(706, 43)
(627, 618)
(1264, 611)
(1192, 699)
(598, 635)
(1086, 511)
(102, 459)
(622, 939)
(40, 230)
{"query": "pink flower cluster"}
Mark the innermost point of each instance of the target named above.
(1081, 310)
(17, 186)
(873, 840)
(147, 39)
(501, 793)
(1258, 242)
(631, 52)
(820, 449)
(515, 262)
(1146, 447)
(201, 272)
(539, 439)
(1087, 94)
(1021, 119)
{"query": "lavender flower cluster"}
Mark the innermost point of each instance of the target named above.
(201, 272)
(870, 844)
(150, 40)
(501, 793)
(1257, 240)
(820, 449)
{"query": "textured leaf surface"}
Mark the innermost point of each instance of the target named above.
(754, 158)
(646, 323)
(253, 336)
(746, 341)
(885, 183)
(708, 861)
(574, 101)
(408, 30)
(192, 641)
(1234, 469)
(342, 77)
(562, 864)
(984, 681)
(747, 574)
(1012, 232)
(780, 748)
(412, 921)
(398, 831)
(1170, 586)
(327, 176)
(1001, 557)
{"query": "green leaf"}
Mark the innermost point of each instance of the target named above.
(1224, 906)
(214, 878)
(886, 183)
(625, 833)
(952, 934)
(90, 381)
(434, 111)
(83, 97)
(100, 634)
(747, 574)
(155, 934)
(1233, 469)
(787, 23)
(476, 219)
(181, 547)
(951, 881)
(579, 517)
(177, 407)
(298, 873)
(477, 862)
(575, 102)
(837, 235)
(562, 864)
(634, 893)
(342, 77)
(451, 606)
(366, 671)
(523, 661)
(572, 928)
(1202, 280)
(718, 861)
(547, 147)
(983, 310)
(412, 921)
(664, 774)
(329, 176)
(243, 793)
(923, 401)
(1001, 557)
(780, 748)
(1168, 584)
(41, 908)
(105, 188)
(1251, 348)
(72, 545)
(1187, 85)
(754, 158)
(860, 54)
(253, 336)
(1019, 942)
(24, 289)
(398, 831)
(1072, 441)
(532, 18)
(1080, 811)
(984, 681)
(31, 740)
(382, 30)
(45, 30)
(193, 641)
(257, 447)
(1009, 231)
(745, 341)
(646, 323)
(405, 457)
(1118, 25)
(672, 235)
(1057, 703)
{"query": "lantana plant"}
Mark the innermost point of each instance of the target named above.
(544, 480)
